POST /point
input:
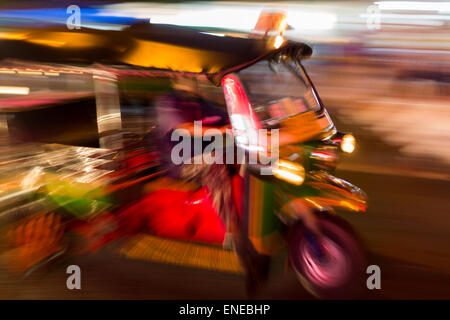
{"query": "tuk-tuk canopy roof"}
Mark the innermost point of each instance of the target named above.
(146, 45)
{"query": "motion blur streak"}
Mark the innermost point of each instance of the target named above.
(382, 69)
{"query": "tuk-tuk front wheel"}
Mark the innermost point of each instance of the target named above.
(329, 265)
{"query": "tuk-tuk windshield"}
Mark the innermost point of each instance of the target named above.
(277, 90)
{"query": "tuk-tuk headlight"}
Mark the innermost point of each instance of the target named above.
(289, 171)
(348, 143)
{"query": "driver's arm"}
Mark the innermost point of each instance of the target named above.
(202, 130)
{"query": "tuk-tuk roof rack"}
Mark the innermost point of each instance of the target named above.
(146, 45)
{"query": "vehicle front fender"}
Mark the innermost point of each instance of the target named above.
(324, 192)
(334, 193)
